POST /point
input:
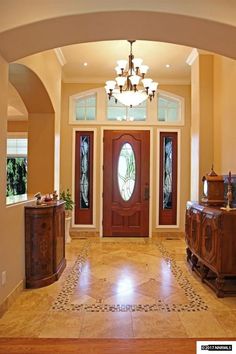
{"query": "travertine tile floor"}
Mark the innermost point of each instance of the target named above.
(122, 289)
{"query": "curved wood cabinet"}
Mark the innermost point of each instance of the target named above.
(210, 235)
(44, 243)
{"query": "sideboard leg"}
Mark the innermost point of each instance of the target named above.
(204, 272)
(189, 253)
(220, 286)
(194, 261)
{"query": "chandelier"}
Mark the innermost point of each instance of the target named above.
(126, 87)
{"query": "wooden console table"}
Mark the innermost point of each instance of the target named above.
(210, 235)
(44, 243)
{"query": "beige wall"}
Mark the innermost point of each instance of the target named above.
(195, 130)
(224, 114)
(48, 69)
(46, 26)
(20, 14)
(12, 217)
(41, 153)
(206, 116)
(213, 124)
(16, 106)
(67, 138)
(17, 126)
(202, 127)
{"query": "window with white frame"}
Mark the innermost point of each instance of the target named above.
(118, 111)
(85, 107)
(169, 108)
(16, 166)
(166, 109)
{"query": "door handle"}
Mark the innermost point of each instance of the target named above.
(146, 192)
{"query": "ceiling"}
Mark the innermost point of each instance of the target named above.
(101, 60)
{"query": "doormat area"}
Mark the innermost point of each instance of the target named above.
(116, 277)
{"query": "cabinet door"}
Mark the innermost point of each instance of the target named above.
(210, 239)
(194, 230)
(59, 236)
(39, 240)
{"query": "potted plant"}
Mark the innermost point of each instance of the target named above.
(69, 206)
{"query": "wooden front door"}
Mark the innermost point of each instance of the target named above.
(126, 183)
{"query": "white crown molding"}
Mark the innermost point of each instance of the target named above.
(99, 80)
(60, 56)
(192, 56)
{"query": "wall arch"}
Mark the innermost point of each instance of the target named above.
(41, 121)
(30, 88)
(156, 26)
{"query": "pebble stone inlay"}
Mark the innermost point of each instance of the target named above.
(63, 303)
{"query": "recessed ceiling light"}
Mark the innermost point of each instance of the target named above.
(168, 65)
(85, 64)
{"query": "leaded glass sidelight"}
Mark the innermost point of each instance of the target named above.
(167, 172)
(168, 178)
(126, 171)
(84, 171)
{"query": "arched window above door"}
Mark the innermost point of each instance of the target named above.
(118, 111)
(170, 109)
(92, 107)
(85, 107)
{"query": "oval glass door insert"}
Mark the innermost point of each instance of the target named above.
(126, 171)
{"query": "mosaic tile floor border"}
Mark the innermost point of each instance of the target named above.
(63, 303)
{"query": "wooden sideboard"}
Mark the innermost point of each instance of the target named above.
(210, 235)
(44, 243)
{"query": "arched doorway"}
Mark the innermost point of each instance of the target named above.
(40, 127)
(78, 28)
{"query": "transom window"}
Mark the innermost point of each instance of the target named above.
(17, 147)
(168, 109)
(117, 111)
(85, 107)
(92, 106)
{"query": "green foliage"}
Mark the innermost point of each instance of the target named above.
(16, 176)
(66, 196)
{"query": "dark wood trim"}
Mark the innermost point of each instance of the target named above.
(83, 216)
(168, 216)
(102, 346)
